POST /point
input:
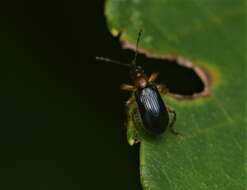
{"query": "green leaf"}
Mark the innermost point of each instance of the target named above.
(211, 34)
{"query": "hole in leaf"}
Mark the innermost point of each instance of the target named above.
(182, 79)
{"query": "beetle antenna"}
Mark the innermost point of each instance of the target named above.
(137, 43)
(107, 60)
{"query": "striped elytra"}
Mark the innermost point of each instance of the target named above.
(152, 109)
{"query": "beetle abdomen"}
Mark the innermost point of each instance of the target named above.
(152, 109)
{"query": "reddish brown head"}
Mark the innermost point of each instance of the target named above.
(138, 76)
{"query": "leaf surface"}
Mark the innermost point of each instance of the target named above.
(211, 34)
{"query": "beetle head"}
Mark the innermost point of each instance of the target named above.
(136, 72)
(138, 76)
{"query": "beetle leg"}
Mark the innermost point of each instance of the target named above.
(162, 88)
(153, 77)
(130, 101)
(171, 125)
(127, 87)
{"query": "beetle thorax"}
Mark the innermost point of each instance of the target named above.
(141, 82)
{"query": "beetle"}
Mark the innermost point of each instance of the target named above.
(153, 111)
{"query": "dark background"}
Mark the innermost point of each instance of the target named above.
(62, 113)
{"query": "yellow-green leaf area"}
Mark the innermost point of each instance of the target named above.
(211, 34)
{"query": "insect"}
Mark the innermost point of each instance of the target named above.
(153, 111)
